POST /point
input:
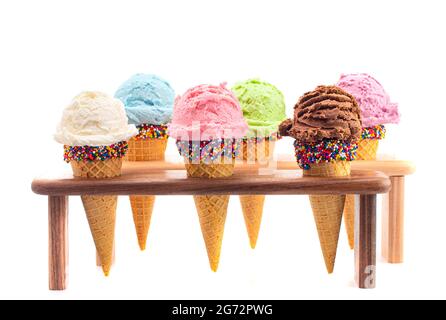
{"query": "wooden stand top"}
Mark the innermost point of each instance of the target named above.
(385, 164)
(149, 178)
(390, 167)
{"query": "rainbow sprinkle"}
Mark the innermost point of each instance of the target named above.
(324, 151)
(150, 131)
(210, 150)
(377, 132)
(102, 153)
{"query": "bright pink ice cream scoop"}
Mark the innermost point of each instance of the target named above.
(375, 104)
(207, 112)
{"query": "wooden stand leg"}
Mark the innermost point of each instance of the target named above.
(58, 242)
(365, 241)
(393, 222)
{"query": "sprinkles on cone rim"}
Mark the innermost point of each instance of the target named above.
(377, 132)
(209, 150)
(324, 151)
(101, 153)
(151, 131)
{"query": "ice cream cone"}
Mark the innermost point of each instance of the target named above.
(377, 109)
(209, 170)
(367, 150)
(150, 149)
(327, 209)
(208, 123)
(252, 205)
(142, 208)
(100, 210)
(349, 219)
(94, 130)
(326, 126)
(258, 150)
(211, 209)
(148, 101)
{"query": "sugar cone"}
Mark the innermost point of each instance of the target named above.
(327, 209)
(100, 210)
(142, 206)
(258, 150)
(211, 209)
(146, 149)
(349, 219)
(367, 150)
(252, 205)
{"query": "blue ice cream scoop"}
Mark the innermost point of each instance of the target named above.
(147, 99)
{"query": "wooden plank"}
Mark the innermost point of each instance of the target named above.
(393, 222)
(286, 162)
(57, 242)
(365, 241)
(176, 182)
(390, 167)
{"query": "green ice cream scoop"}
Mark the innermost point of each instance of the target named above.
(263, 106)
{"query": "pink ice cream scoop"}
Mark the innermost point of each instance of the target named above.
(207, 112)
(373, 100)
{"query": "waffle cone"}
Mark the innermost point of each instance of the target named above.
(146, 149)
(349, 219)
(209, 171)
(367, 150)
(257, 150)
(142, 206)
(252, 205)
(327, 209)
(212, 209)
(100, 210)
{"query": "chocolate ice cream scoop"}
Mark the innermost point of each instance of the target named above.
(328, 112)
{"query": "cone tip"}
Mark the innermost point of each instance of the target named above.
(329, 265)
(106, 269)
(214, 267)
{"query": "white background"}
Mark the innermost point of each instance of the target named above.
(52, 50)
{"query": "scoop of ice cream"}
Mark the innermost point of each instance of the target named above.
(374, 102)
(328, 112)
(94, 119)
(147, 99)
(263, 106)
(207, 112)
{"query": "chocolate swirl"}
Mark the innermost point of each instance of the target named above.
(328, 112)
